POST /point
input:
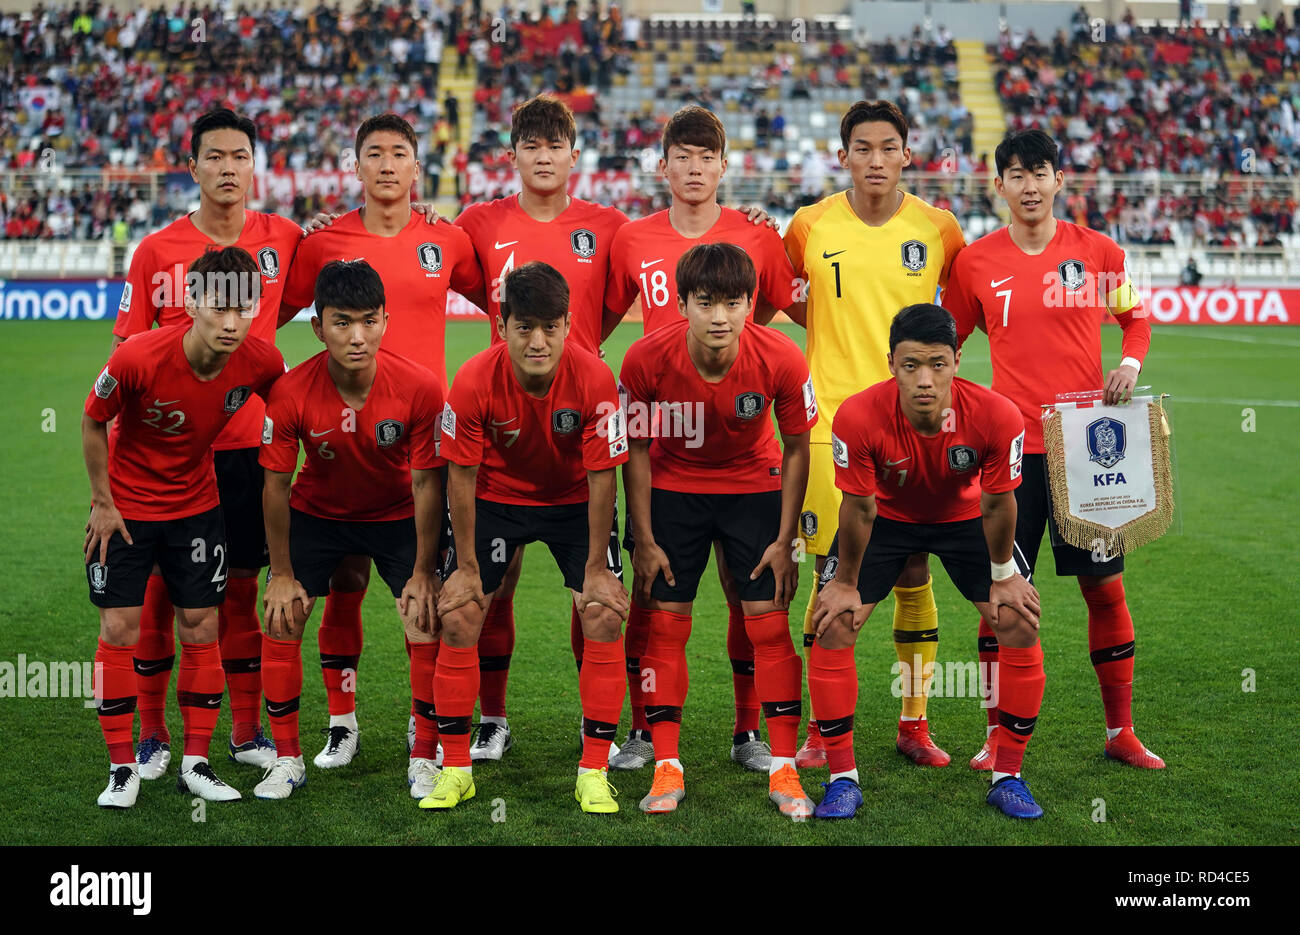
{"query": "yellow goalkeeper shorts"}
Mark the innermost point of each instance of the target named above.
(820, 518)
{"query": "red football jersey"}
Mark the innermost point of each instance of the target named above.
(359, 462)
(531, 451)
(1043, 313)
(417, 267)
(716, 437)
(917, 479)
(160, 447)
(155, 291)
(644, 261)
(577, 243)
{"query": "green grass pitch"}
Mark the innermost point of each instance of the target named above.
(1215, 599)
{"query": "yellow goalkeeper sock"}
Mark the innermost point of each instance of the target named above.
(916, 641)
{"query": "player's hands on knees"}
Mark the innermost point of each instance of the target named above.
(837, 598)
(460, 589)
(321, 221)
(418, 603)
(648, 561)
(1018, 594)
(603, 587)
(778, 558)
(1119, 385)
(277, 605)
(104, 521)
(426, 208)
(757, 215)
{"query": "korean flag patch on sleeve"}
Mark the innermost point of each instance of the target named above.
(105, 383)
(1017, 455)
(809, 400)
(617, 433)
(448, 422)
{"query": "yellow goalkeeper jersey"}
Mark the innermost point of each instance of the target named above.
(858, 278)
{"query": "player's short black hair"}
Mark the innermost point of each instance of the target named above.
(924, 323)
(349, 285)
(544, 117)
(872, 112)
(694, 125)
(391, 123)
(227, 276)
(222, 118)
(534, 290)
(717, 270)
(1034, 148)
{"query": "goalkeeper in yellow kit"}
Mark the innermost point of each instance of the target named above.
(863, 254)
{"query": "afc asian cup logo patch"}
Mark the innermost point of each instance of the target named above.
(237, 397)
(828, 570)
(268, 261)
(430, 255)
(749, 405)
(914, 252)
(808, 523)
(388, 432)
(564, 421)
(839, 451)
(105, 383)
(1106, 442)
(962, 457)
(98, 576)
(584, 243)
(1072, 274)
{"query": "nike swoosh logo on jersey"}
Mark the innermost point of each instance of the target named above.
(827, 256)
(505, 422)
(899, 461)
(501, 246)
(168, 403)
(994, 285)
(315, 434)
(645, 265)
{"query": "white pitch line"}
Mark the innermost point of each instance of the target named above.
(1284, 403)
(1239, 338)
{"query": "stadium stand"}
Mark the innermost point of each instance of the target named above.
(1178, 140)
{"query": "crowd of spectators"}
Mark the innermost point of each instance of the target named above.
(87, 86)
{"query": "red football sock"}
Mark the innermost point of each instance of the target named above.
(741, 653)
(199, 686)
(282, 678)
(634, 643)
(833, 688)
(240, 638)
(455, 687)
(576, 639)
(988, 653)
(408, 657)
(339, 639)
(1111, 645)
(778, 677)
(1020, 695)
(424, 664)
(602, 688)
(664, 660)
(496, 643)
(115, 687)
(155, 654)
